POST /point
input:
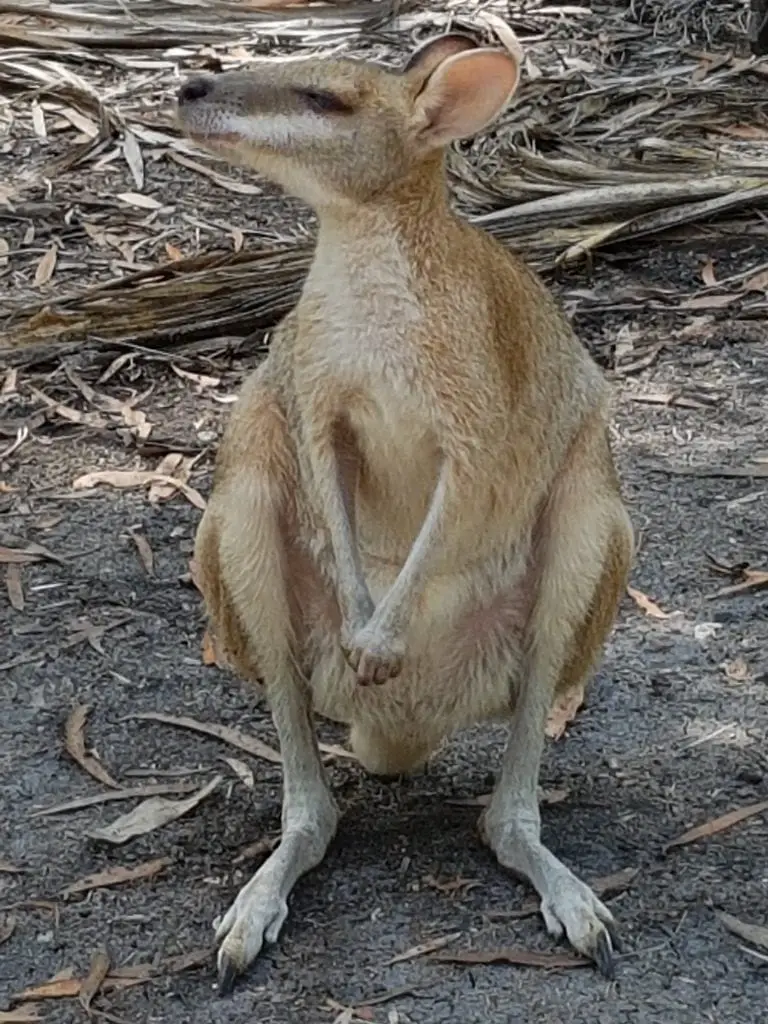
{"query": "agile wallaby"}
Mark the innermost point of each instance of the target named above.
(416, 486)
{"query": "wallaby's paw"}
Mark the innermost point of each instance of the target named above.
(573, 910)
(256, 917)
(374, 657)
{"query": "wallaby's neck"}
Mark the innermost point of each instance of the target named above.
(415, 212)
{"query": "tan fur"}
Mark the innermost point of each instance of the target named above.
(425, 367)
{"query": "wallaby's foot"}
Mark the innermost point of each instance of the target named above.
(261, 907)
(568, 906)
(374, 655)
(256, 917)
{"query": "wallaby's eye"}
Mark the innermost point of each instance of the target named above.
(322, 102)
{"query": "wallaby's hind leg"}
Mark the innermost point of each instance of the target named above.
(250, 572)
(573, 613)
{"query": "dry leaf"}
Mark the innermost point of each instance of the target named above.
(153, 789)
(10, 381)
(97, 974)
(151, 814)
(200, 379)
(173, 253)
(9, 869)
(133, 157)
(707, 301)
(7, 928)
(241, 770)
(136, 478)
(14, 587)
(645, 604)
(422, 949)
(69, 988)
(757, 934)
(138, 199)
(250, 744)
(515, 957)
(46, 266)
(117, 875)
(752, 579)
(725, 821)
(31, 553)
(708, 273)
(21, 1015)
(145, 551)
(563, 711)
(257, 849)
(74, 738)
(757, 283)
(737, 670)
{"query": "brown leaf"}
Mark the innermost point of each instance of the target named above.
(31, 553)
(515, 957)
(74, 739)
(133, 157)
(644, 603)
(126, 478)
(9, 869)
(737, 670)
(200, 379)
(151, 814)
(21, 1015)
(153, 789)
(757, 283)
(756, 934)
(14, 587)
(563, 711)
(7, 928)
(250, 744)
(145, 551)
(173, 252)
(708, 273)
(257, 849)
(725, 821)
(69, 988)
(46, 267)
(10, 380)
(422, 949)
(241, 770)
(139, 200)
(117, 875)
(96, 977)
(752, 579)
(707, 301)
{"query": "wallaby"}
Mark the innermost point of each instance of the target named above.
(415, 487)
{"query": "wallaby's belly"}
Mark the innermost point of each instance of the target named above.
(462, 666)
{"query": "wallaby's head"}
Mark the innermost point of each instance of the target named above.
(330, 130)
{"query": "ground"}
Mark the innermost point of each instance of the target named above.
(672, 735)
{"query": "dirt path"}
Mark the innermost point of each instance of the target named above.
(673, 735)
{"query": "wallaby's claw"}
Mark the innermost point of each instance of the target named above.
(228, 973)
(603, 955)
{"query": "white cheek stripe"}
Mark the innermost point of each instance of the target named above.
(279, 129)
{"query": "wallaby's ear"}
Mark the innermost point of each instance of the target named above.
(429, 55)
(464, 93)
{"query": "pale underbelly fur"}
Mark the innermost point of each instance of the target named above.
(462, 666)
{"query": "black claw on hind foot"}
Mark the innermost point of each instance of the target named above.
(227, 976)
(604, 957)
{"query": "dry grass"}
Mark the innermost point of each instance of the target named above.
(634, 120)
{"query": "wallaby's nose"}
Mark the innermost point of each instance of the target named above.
(195, 89)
